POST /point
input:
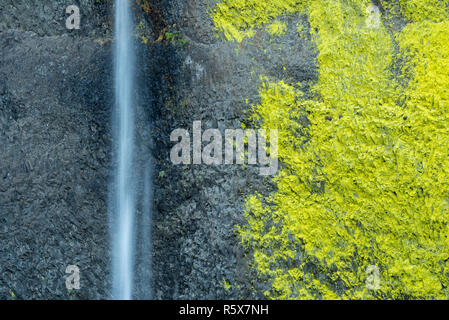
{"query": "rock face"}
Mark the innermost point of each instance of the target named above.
(55, 89)
(56, 151)
(199, 206)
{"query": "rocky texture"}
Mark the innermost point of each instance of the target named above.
(56, 151)
(198, 206)
(48, 18)
(55, 90)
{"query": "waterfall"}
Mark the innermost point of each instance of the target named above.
(123, 215)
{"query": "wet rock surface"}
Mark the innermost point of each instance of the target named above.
(54, 164)
(197, 206)
(56, 151)
(55, 89)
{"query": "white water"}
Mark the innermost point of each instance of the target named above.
(124, 189)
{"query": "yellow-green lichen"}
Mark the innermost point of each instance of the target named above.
(365, 166)
(277, 28)
(421, 10)
(237, 19)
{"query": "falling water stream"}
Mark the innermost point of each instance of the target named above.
(124, 189)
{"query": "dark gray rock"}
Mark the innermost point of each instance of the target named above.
(56, 150)
(48, 18)
(55, 133)
(197, 206)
